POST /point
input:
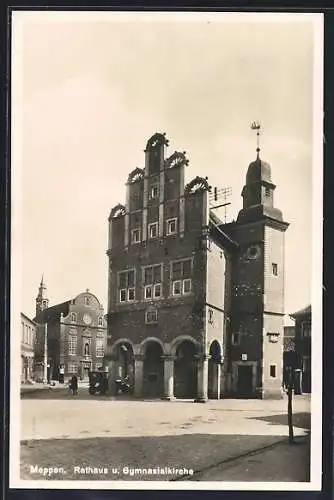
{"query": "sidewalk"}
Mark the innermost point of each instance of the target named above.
(282, 462)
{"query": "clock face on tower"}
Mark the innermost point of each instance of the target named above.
(253, 252)
(87, 319)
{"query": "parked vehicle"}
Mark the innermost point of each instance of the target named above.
(122, 385)
(98, 383)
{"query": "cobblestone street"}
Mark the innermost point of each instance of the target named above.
(102, 433)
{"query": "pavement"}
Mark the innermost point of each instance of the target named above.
(224, 440)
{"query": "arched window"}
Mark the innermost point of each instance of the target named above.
(87, 301)
(100, 321)
(73, 317)
(86, 351)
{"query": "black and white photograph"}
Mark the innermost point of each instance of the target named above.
(166, 250)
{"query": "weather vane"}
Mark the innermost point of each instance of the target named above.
(257, 126)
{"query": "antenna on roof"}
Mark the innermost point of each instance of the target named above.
(218, 195)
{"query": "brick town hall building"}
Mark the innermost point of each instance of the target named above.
(195, 306)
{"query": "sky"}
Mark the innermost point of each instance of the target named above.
(93, 89)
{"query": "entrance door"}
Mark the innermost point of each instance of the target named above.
(86, 367)
(245, 380)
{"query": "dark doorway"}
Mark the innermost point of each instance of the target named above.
(214, 389)
(185, 371)
(245, 380)
(153, 373)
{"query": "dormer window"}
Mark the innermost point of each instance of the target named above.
(153, 230)
(73, 317)
(171, 226)
(135, 236)
(154, 191)
(100, 321)
(86, 301)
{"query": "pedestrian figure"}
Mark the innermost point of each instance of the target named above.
(74, 385)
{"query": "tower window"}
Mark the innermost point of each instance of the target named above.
(154, 191)
(151, 316)
(44, 303)
(86, 301)
(171, 226)
(274, 268)
(135, 236)
(126, 285)
(181, 277)
(153, 230)
(273, 371)
(152, 282)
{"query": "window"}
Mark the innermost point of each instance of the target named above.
(72, 368)
(274, 268)
(87, 348)
(267, 191)
(171, 226)
(235, 338)
(135, 236)
(126, 285)
(273, 371)
(100, 321)
(153, 230)
(100, 347)
(87, 301)
(73, 317)
(153, 282)
(181, 277)
(72, 345)
(306, 330)
(151, 316)
(154, 191)
(44, 303)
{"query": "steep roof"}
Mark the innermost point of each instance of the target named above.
(302, 312)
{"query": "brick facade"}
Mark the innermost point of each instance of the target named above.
(186, 292)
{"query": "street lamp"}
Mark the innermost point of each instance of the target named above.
(45, 371)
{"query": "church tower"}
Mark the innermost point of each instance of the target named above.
(42, 302)
(256, 338)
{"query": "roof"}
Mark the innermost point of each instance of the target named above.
(216, 225)
(27, 318)
(53, 312)
(302, 312)
(258, 171)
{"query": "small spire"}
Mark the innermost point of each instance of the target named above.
(257, 126)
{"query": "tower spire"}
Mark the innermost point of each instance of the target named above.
(42, 302)
(257, 126)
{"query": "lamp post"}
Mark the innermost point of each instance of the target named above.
(45, 372)
(290, 388)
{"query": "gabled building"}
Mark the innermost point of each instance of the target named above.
(28, 338)
(75, 334)
(195, 306)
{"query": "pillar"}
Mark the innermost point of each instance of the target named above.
(168, 378)
(139, 368)
(111, 377)
(202, 379)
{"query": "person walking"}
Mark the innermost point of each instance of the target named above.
(74, 385)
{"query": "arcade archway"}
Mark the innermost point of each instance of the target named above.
(124, 361)
(153, 370)
(185, 370)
